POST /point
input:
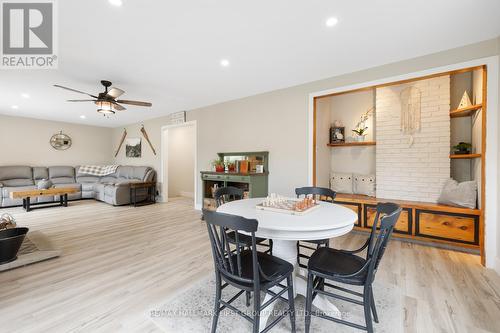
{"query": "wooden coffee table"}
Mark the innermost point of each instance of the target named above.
(62, 192)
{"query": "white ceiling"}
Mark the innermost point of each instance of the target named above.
(168, 52)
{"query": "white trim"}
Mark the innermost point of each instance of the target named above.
(497, 265)
(491, 186)
(197, 206)
(164, 158)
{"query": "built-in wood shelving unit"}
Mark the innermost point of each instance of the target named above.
(352, 144)
(465, 112)
(465, 156)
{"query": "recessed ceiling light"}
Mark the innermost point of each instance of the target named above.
(83, 116)
(25, 95)
(116, 3)
(224, 63)
(15, 107)
(332, 21)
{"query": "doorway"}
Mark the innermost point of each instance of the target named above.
(178, 150)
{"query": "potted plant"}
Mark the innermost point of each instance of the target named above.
(218, 164)
(462, 148)
(360, 132)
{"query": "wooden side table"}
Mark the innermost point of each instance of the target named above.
(151, 195)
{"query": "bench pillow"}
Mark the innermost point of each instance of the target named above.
(459, 194)
(341, 182)
(364, 184)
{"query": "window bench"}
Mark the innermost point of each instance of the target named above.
(433, 224)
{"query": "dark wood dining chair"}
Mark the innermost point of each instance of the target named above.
(227, 194)
(247, 270)
(319, 193)
(344, 266)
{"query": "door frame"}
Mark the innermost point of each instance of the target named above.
(490, 210)
(164, 159)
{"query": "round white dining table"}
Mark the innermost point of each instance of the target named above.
(327, 221)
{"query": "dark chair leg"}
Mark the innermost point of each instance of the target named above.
(327, 244)
(270, 246)
(309, 301)
(291, 302)
(218, 288)
(256, 310)
(374, 308)
(367, 308)
(247, 295)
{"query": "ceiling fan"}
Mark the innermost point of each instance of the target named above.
(107, 102)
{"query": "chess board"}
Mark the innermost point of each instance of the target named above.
(286, 207)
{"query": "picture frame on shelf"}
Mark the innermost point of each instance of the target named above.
(337, 134)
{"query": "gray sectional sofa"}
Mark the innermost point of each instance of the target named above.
(113, 189)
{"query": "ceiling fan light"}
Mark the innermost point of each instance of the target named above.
(105, 107)
(105, 111)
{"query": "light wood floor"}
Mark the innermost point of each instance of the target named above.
(118, 262)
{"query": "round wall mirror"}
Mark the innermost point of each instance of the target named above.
(60, 141)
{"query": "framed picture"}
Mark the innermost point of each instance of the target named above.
(337, 134)
(133, 147)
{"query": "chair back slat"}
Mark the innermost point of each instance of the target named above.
(226, 260)
(227, 194)
(319, 193)
(376, 252)
(383, 209)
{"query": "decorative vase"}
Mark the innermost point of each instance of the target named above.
(219, 168)
(360, 138)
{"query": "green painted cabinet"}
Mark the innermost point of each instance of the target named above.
(254, 184)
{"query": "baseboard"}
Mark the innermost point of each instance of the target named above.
(186, 194)
(197, 206)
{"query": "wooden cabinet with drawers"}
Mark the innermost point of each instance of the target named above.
(425, 222)
(447, 226)
(403, 225)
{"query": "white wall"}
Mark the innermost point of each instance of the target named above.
(415, 171)
(348, 108)
(181, 146)
(25, 141)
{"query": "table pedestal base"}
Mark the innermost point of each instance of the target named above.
(287, 250)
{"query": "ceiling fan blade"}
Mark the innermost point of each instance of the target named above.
(118, 107)
(138, 103)
(74, 90)
(80, 100)
(115, 92)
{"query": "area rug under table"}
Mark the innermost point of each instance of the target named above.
(36, 247)
(191, 310)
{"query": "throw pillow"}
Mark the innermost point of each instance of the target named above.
(459, 194)
(364, 184)
(44, 184)
(341, 182)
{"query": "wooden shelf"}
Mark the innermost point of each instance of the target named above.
(465, 156)
(465, 112)
(352, 144)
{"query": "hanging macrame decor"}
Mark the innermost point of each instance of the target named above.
(410, 111)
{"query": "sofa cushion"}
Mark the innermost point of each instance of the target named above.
(62, 174)
(16, 176)
(126, 172)
(71, 196)
(87, 179)
(40, 173)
